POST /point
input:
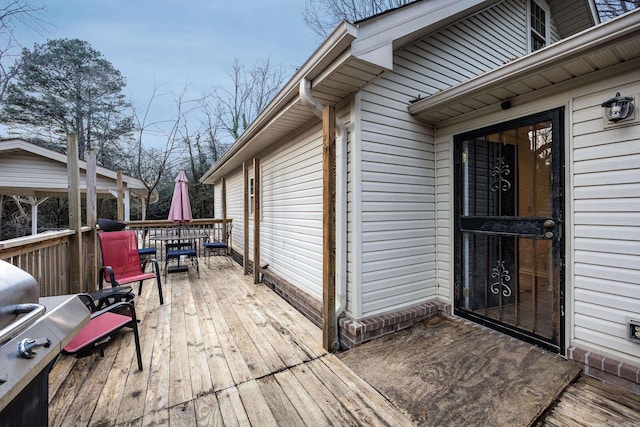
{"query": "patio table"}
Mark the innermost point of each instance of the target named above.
(173, 248)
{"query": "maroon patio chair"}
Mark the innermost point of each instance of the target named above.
(102, 325)
(121, 261)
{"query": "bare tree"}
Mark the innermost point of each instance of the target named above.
(609, 9)
(209, 128)
(151, 159)
(13, 13)
(251, 90)
(322, 16)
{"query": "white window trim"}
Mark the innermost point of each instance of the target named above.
(547, 24)
(251, 195)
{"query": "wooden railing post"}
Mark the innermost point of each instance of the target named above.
(92, 219)
(329, 327)
(245, 218)
(75, 246)
(256, 220)
(120, 203)
(223, 235)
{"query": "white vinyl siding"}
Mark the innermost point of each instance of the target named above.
(291, 226)
(444, 205)
(235, 210)
(397, 202)
(40, 172)
(606, 224)
(464, 50)
(400, 265)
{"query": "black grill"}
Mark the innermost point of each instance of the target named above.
(33, 332)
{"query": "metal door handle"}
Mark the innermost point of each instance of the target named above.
(549, 223)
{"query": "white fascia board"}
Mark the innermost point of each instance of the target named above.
(376, 38)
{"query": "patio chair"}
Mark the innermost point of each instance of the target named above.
(177, 251)
(121, 261)
(102, 325)
(105, 297)
(217, 247)
(146, 255)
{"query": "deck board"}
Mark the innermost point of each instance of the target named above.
(156, 396)
(221, 351)
(589, 402)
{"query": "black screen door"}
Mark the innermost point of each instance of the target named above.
(509, 228)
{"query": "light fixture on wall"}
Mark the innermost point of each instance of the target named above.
(618, 108)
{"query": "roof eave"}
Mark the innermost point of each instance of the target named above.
(135, 185)
(559, 52)
(331, 49)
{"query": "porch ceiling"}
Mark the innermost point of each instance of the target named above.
(609, 44)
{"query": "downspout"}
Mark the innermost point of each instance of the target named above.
(341, 196)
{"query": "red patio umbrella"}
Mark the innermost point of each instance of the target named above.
(180, 211)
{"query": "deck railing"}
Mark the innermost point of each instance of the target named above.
(213, 228)
(46, 255)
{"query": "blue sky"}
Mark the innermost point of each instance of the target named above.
(180, 42)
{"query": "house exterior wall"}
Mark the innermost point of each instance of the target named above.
(606, 223)
(397, 205)
(399, 262)
(235, 193)
(291, 221)
(478, 44)
(602, 211)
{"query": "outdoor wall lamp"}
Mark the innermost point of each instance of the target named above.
(618, 108)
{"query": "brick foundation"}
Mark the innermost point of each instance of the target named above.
(606, 369)
(310, 307)
(352, 333)
(356, 332)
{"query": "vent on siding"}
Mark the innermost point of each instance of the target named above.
(633, 327)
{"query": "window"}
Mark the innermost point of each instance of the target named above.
(251, 196)
(538, 25)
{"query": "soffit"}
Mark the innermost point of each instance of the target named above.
(572, 16)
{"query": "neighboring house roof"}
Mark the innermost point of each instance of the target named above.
(27, 169)
(355, 54)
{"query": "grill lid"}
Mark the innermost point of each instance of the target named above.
(18, 300)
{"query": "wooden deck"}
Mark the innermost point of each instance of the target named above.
(220, 351)
(589, 402)
(223, 351)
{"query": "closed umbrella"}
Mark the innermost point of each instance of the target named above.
(180, 211)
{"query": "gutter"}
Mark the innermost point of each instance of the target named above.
(341, 196)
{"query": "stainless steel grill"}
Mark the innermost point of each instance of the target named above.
(33, 332)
